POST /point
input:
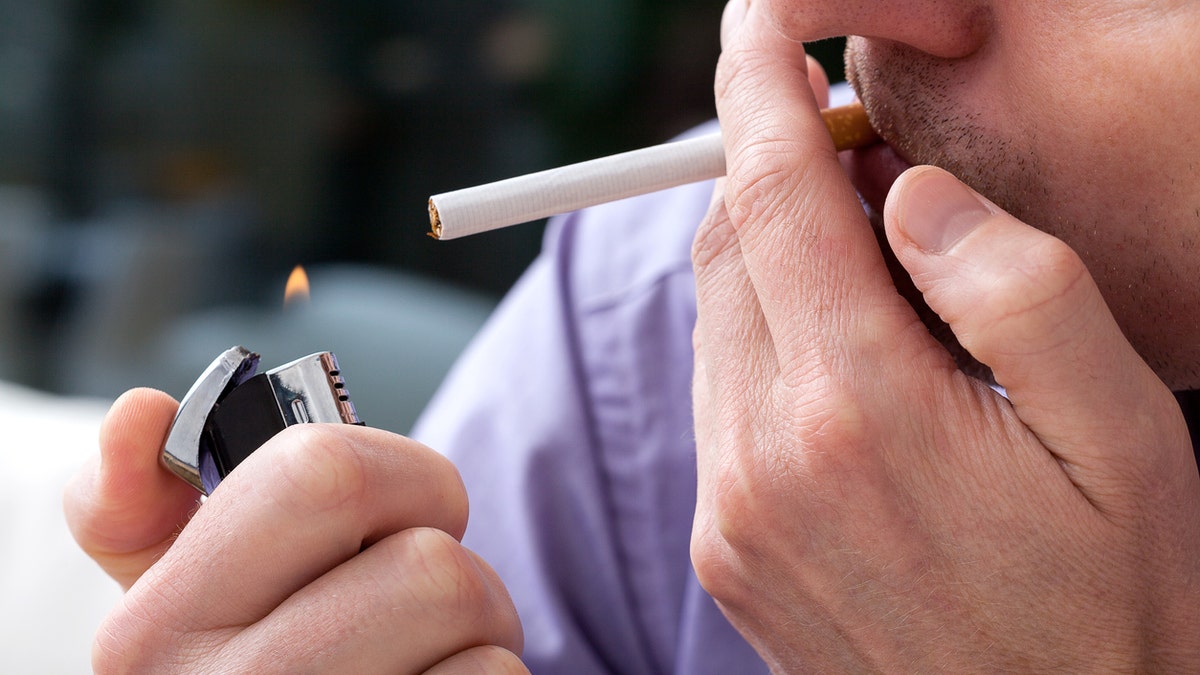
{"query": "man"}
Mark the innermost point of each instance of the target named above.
(864, 496)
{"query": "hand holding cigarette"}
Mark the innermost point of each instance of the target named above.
(565, 189)
(852, 479)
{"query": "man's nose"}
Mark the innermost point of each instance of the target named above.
(946, 29)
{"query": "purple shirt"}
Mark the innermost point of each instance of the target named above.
(570, 420)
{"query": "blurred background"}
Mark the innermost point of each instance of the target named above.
(164, 165)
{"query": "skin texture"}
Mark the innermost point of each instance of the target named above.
(1076, 117)
(865, 505)
(306, 559)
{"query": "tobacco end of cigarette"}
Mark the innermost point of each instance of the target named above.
(849, 126)
(435, 221)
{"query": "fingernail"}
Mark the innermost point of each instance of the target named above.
(937, 210)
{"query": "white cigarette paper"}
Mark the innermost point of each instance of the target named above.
(570, 188)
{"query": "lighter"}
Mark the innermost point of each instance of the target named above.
(230, 411)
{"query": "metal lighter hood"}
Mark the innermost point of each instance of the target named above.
(232, 410)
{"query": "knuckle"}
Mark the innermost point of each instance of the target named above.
(738, 507)
(116, 647)
(764, 166)
(321, 467)
(731, 528)
(799, 479)
(834, 434)
(466, 594)
(133, 638)
(1050, 280)
(714, 562)
(445, 560)
(761, 173)
(1055, 269)
(124, 628)
(444, 487)
(714, 240)
(455, 508)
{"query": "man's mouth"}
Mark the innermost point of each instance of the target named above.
(872, 170)
(875, 168)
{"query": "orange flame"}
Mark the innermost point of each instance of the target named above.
(297, 287)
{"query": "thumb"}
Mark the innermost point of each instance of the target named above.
(123, 508)
(1023, 303)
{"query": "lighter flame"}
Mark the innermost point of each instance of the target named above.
(297, 287)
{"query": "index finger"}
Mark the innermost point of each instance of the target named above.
(311, 498)
(796, 213)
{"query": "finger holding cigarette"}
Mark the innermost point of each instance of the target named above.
(547, 193)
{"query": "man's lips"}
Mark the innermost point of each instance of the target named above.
(872, 170)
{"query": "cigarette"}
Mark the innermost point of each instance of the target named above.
(547, 193)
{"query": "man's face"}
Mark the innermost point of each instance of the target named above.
(1078, 116)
